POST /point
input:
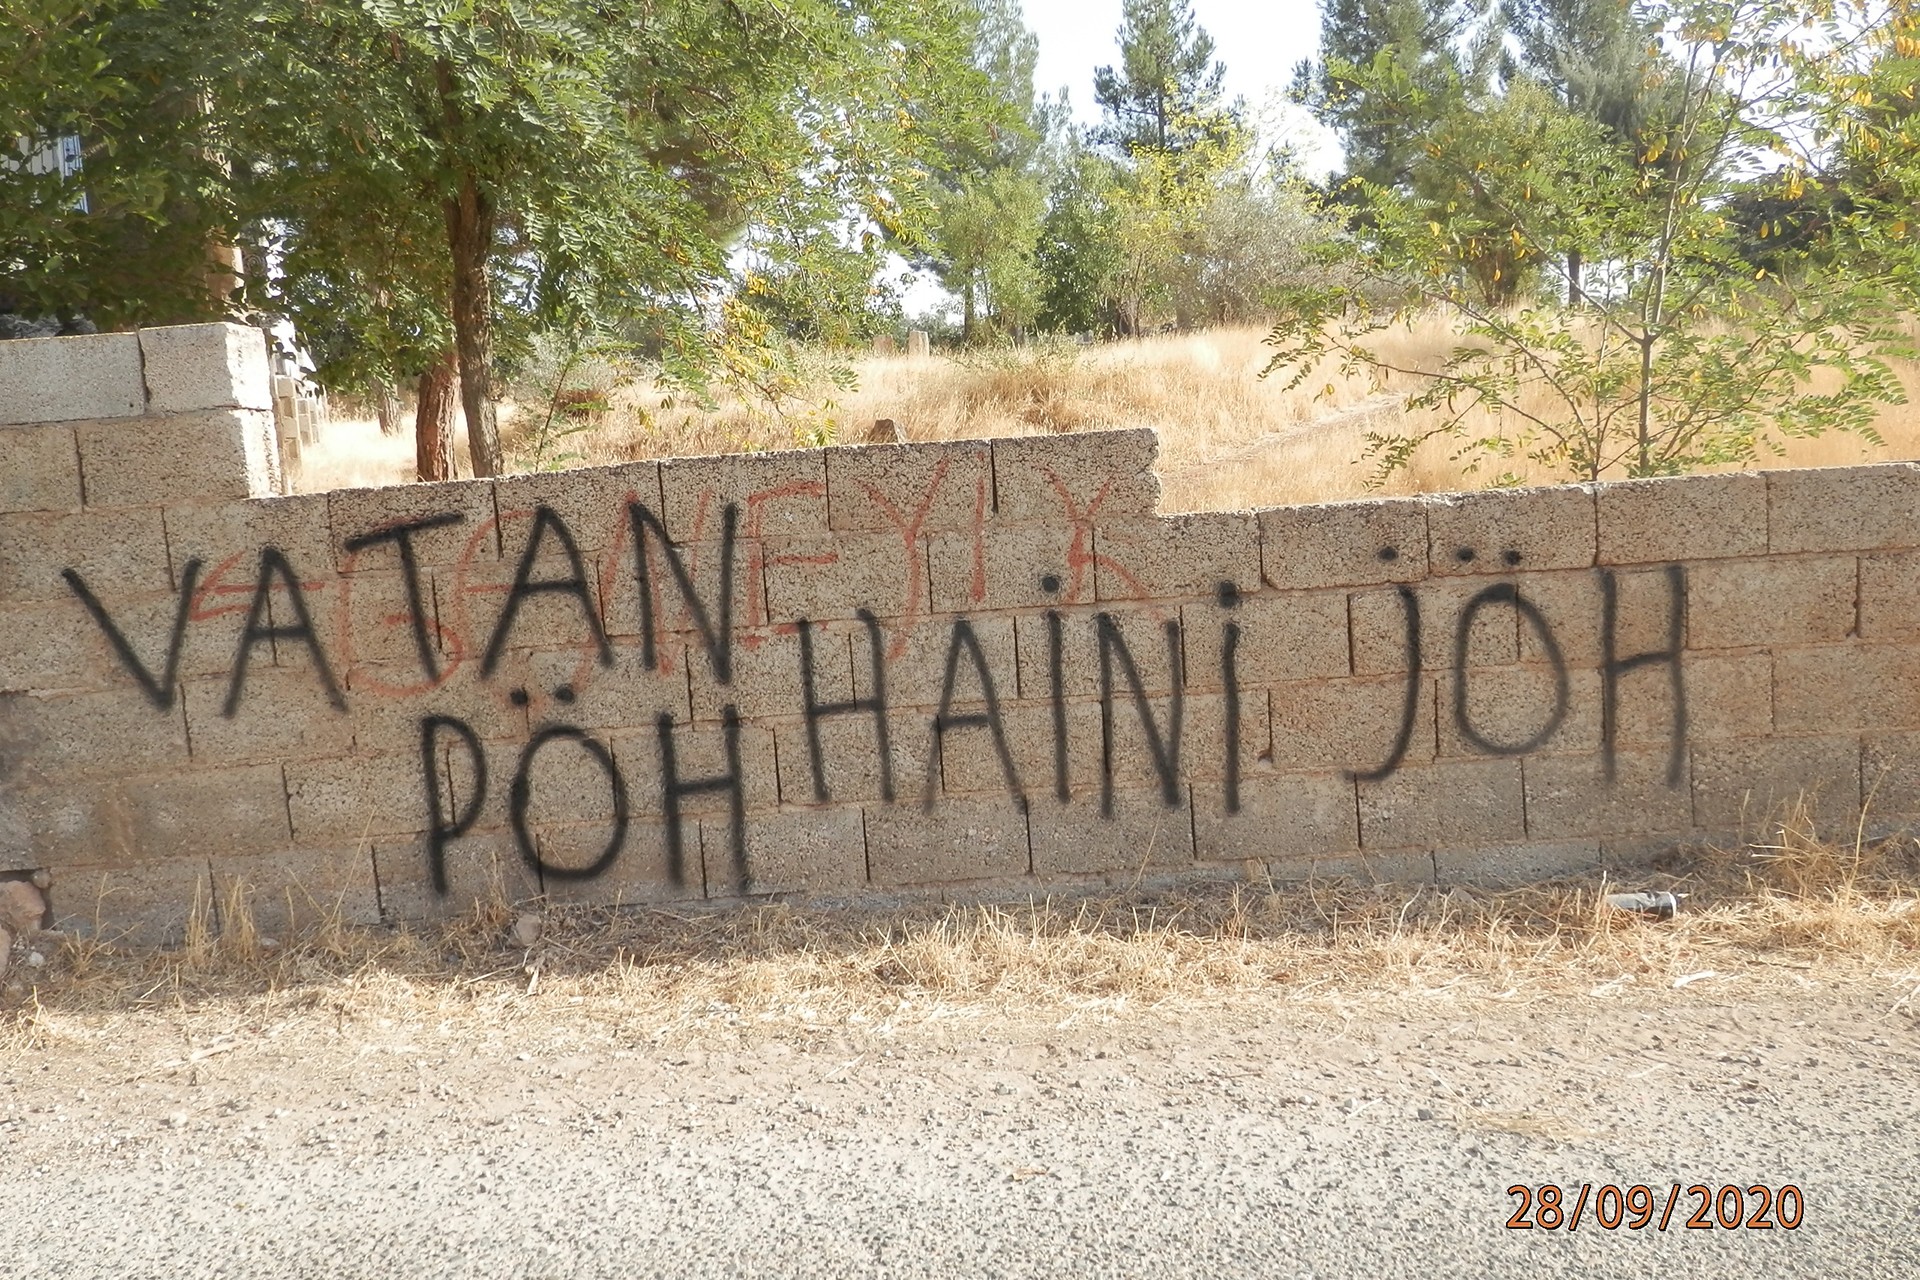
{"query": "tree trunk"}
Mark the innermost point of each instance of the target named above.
(470, 227)
(470, 242)
(433, 421)
(1574, 296)
(387, 407)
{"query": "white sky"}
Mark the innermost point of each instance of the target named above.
(1260, 41)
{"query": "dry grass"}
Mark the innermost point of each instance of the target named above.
(1788, 903)
(1228, 438)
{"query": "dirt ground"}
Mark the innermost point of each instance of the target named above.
(311, 1132)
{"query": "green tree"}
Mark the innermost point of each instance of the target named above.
(1077, 255)
(1166, 93)
(1683, 356)
(989, 230)
(430, 178)
(990, 198)
(1603, 59)
(126, 239)
(1387, 70)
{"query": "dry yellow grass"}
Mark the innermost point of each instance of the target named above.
(1229, 439)
(1765, 912)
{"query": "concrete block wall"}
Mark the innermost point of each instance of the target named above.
(892, 666)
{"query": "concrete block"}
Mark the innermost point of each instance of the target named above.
(1142, 832)
(113, 552)
(850, 759)
(1890, 774)
(1682, 518)
(570, 686)
(1344, 543)
(62, 824)
(145, 905)
(39, 469)
(777, 495)
(1203, 754)
(1379, 628)
(212, 455)
(388, 701)
(838, 575)
(472, 599)
(970, 765)
(1202, 742)
(1514, 708)
(206, 366)
(51, 648)
(1453, 802)
(1285, 818)
(671, 611)
(912, 490)
(766, 677)
(207, 812)
(1409, 868)
(483, 869)
(1571, 607)
(299, 889)
(962, 839)
(472, 538)
(1178, 556)
(1844, 508)
(1744, 783)
(1890, 595)
(1508, 530)
(1727, 696)
(1512, 865)
(1141, 628)
(282, 714)
(232, 534)
(1846, 686)
(369, 617)
(590, 501)
(1088, 477)
(916, 664)
(1570, 796)
(1348, 724)
(641, 871)
(699, 754)
(59, 738)
(349, 799)
(1301, 635)
(788, 851)
(1036, 566)
(1739, 603)
(95, 375)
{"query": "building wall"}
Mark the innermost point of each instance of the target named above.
(893, 666)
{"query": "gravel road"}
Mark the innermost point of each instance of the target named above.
(1246, 1140)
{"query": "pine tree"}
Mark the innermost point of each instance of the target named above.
(1602, 59)
(1166, 94)
(1434, 49)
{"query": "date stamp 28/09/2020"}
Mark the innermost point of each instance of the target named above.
(1728, 1207)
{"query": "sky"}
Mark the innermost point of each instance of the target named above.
(1260, 41)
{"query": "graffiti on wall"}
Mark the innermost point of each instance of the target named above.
(695, 601)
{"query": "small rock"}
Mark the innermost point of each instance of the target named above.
(41, 879)
(35, 960)
(21, 906)
(178, 1120)
(885, 431)
(527, 928)
(1424, 1113)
